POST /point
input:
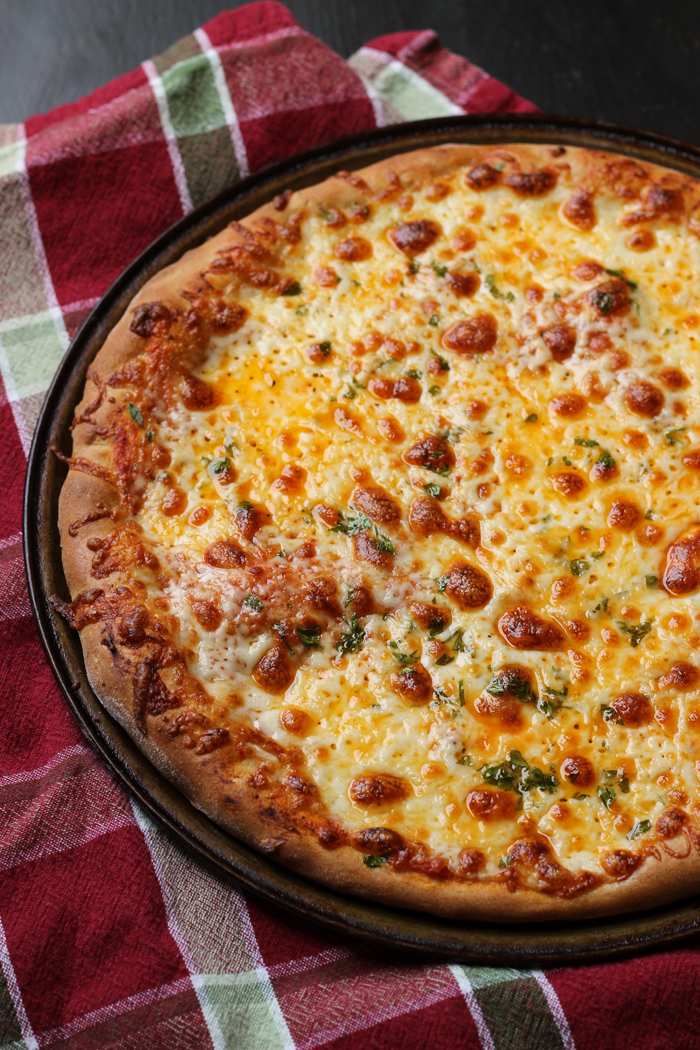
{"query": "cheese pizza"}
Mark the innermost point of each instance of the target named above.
(382, 531)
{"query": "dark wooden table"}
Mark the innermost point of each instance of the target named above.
(632, 61)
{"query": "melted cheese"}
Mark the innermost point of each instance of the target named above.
(495, 410)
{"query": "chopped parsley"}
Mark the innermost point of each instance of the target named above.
(434, 390)
(585, 442)
(511, 682)
(413, 373)
(280, 629)
(220, 465)
(349, 394)
(244, 505)
(375, 862)
(637, 632)
(606, 796)
(457, 639)
(351, 527)
(632, 285)
(579, 796)
(150, 435)
(433, 490)
(434, 320)
(604, 302)
(439, 269)
(516, 775)
(491, 285)
(602, 605)
(444, 365)
(579, 566)
(135, 413)
(532, 418)
(461, 704)
(652, 582)
(640, 828)
(353, 640)
(254, 602)
(610, 714)
(293, 289)
(442, 582)
(405, 659)
(310, 636)
(325, 347)
(605, 459)
(670, 435)
(444, 660)
(413, 266)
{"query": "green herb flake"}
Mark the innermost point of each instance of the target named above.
(602, 605)
(434, 390)
(461, 701)
(444, 365)
(505, 862)
(606, 796)
(632, 285)
(637, 633)
(442, 582)
(652, 582)
(596, 555)
(349, 394)
(610, 714)
(254, 602)
(604, 302)
(150, 435)
(244, 505)
(434, 320)
(605, 459)
(413, 373)
(433, 490)
(579, 566)
(374, 862)
(310, 636)
(491, 285)
(444, 660)
(293, 289)
(439, 269)
(405, 659)
(640, 828)
(220, 465)
(567, 461)
(413, 266)
(353, 640)
(585, 442)
(670, 435)
(579, 796)
(532, 418)
(135, 413)
(516, 775)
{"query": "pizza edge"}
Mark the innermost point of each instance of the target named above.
(206, 780)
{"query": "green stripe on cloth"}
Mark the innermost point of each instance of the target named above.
(234, 990)
(10, 1032)
(513, 1007)
(409, 94)
(21, 290)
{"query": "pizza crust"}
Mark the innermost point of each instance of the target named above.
(211, 782)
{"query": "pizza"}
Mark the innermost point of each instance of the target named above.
(382, 533)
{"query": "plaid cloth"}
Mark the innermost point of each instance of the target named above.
(111, 935)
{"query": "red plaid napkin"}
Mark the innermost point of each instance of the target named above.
(110, 934)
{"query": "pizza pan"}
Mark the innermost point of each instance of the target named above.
(408, 934)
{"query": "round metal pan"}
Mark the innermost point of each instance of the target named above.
(412, 934)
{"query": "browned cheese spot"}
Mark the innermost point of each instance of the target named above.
(468, 586)
(150, 318)
(463, 285)
(641, 240)
(673, 378)
(587, 270)
(431, 617)
(207, 614)
(404, 388)
(524, 629)
(415, 237)
(197, 396)
(318, 353)
(295, 721)
(413, 684)
(291, 479)
(504, 707)
(644, 398)
(578, 770)
(482, 177)
(560, 340)
(491, 804)
(611, 298)
(580, 209)
(353, 249)
(378, 789)
(474, 335)
(569, 405)
(531, 183)
(624, 515)
(691, 460)
(274, 671)
(326, 277)
(377, 842)
(321, 594)
(249, 520)
(432, 453)
(619, 864)
(670, 822)
(632, 709)
(365, 549)
(569, 484)
(174, 503)
(681, 573)
(377, 504)
(471, 861)
(225, 554)
(681, 676)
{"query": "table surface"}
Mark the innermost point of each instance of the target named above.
(631, 61)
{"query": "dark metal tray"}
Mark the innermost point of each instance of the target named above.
(413, 934)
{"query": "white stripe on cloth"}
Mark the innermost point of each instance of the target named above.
(123, 1006)
(67, 842)
(170, 136)
(210, 52)
(15, 994)
(556, 1009)
(40, 771)
(465, 987)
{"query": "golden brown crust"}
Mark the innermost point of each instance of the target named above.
(216, 783)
